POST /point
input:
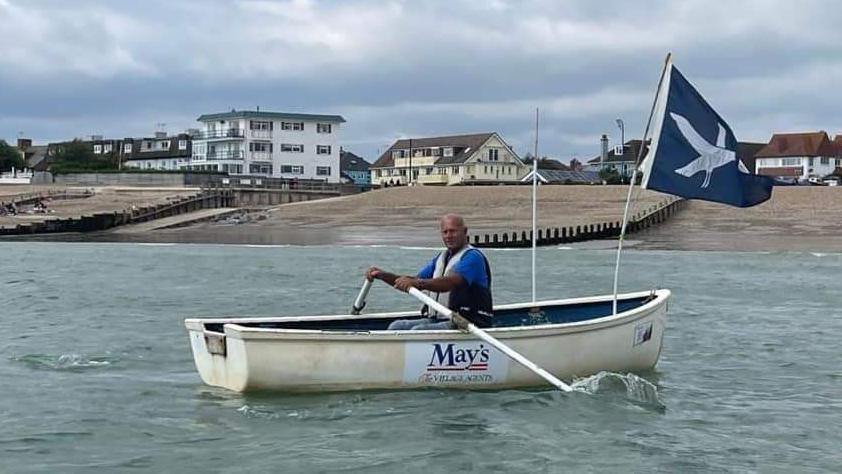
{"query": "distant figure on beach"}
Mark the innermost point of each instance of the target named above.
(459, 277)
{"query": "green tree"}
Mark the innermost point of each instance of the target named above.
(77, 156)
(610, 176)
(10, 157)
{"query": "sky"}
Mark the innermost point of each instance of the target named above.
(397, 69)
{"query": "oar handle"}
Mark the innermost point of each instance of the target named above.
(441, 309)
(359, 303)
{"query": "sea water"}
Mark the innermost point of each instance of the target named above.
(96, 371)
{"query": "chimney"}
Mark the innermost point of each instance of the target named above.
(603, 157)
(24, 143)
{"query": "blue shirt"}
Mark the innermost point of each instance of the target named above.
(471, 267)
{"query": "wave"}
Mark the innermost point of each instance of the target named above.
(636, 388)
(64, 361)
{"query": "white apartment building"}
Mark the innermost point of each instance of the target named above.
(272, 144)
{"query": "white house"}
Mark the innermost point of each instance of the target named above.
(459, 159)
(798, 156)
(275, 144)
(161, 152)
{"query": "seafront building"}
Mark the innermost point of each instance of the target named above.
(158, 152)
(799, 156)
(619, 159)
(355, 168)
(481, 158)
(271, 144)
(161, 152)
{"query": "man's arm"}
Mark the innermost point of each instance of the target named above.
(438, 285)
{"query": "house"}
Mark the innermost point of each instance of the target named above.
(272, 144)
(798, 156)
(622, 161)
(161, 152)
(35, 156)
(355, 168)
(480, 158)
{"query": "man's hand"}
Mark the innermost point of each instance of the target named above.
(372, 273)
(404, 283)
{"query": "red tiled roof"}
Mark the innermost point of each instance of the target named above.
(780, 171)
(837, 143)
(797, 144)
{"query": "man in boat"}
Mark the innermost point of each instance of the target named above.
(459, 277)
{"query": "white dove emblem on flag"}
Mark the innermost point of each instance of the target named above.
(710, 156)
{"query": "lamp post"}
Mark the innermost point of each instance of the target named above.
(622, 143)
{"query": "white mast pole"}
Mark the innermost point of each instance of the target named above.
(534, 204)
(631, 183)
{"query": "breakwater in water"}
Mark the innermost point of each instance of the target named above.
(645, 219)
(205, 199)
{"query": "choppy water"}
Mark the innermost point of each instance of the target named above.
(96, 371)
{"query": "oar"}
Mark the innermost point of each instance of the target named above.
(359, 303)
(494, 342)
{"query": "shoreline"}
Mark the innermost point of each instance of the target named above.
(799, 219)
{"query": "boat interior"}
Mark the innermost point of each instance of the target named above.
(510, 317)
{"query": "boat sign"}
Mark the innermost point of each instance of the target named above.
(453, 363)
(642, 333)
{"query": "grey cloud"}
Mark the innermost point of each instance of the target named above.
(399, 68)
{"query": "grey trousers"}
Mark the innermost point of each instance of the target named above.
(428, 324)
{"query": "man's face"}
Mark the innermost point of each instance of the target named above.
(454, 234)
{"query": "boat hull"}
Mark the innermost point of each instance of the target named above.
(247, 357)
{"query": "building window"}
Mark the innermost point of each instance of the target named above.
(292, 169)
(165, 145)
(323, 170)
(295, 126)
(182, 144)
(260, 146)
(493, 154)
(448, 151)
(323, 128)
(792, 162)
(148, 145)
(127, 148)
(292, 148)
(106, 148)
(259, 125)
(825, 161)
(97, 149)
(260, 169)
(322, 149)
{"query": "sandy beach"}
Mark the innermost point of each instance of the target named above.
(798, 218)
(795, 219)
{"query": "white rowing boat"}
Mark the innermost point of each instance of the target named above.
(568, 338)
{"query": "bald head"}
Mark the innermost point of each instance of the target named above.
(454, 232)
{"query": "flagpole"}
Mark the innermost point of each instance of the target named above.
(534, 204)
(632, 180)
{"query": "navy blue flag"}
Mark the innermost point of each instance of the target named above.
(694, 152)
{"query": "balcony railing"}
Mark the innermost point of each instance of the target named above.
(260, 156)
(219, 155)
(267, 134)
(216, 134)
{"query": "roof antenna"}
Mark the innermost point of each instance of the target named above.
(258, 108)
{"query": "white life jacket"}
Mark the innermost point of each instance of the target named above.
(442, 270)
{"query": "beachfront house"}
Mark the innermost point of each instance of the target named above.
(161, 152)
(798, 156)
(619, 159)
(355, 168)
(480, 158)
(272, 144)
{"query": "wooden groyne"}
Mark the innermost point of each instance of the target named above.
(206, 199)
(562, 235)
